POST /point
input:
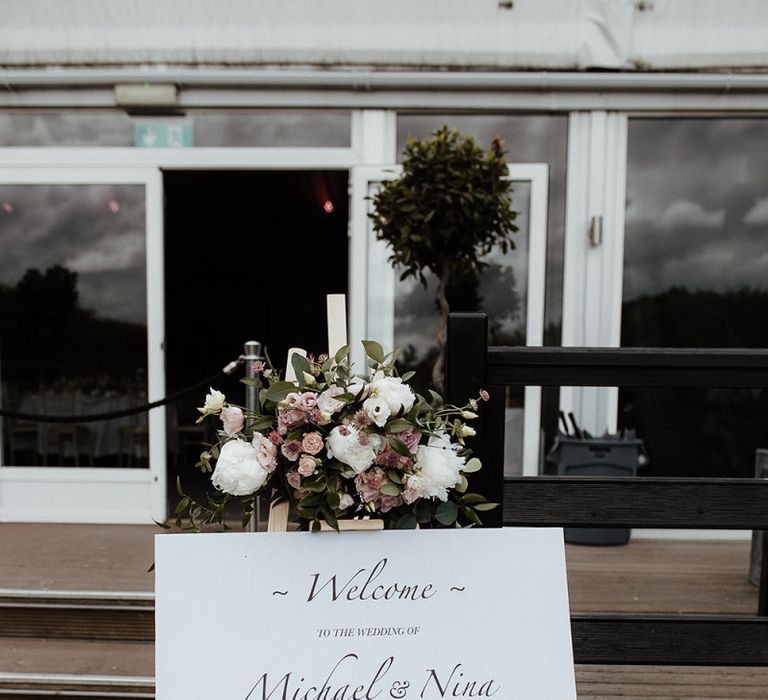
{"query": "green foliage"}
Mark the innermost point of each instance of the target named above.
(451, 206)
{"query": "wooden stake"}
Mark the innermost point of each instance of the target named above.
(337, 322)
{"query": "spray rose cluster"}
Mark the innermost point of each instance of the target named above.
(342, 445)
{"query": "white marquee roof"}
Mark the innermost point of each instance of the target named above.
(481, 34)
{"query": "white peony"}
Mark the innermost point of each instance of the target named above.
(393, 392)
(343, 443)
(239, 470)
(438, 468)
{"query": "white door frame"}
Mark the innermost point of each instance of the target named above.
(368, 261)
(594, 253)
(65, 494)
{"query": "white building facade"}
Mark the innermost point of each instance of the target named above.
(635, 131)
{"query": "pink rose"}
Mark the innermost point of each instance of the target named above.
(307, 465)
(317, 417)
(293, 479)
(232, 420)
(368, 484)
(266, 452)
(289, 419)
(387, 503)
(307, 401)
(312, 443)
(410, 438)
(291, 450)
(292, 400)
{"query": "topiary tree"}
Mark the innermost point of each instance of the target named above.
(450, 206)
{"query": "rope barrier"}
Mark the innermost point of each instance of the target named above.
(123, 412)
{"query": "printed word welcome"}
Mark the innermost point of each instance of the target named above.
(362, 585)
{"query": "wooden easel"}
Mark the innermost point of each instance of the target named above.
(337, 338)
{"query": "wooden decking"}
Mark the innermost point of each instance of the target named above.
(644, 576)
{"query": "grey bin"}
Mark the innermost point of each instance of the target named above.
(596, 457)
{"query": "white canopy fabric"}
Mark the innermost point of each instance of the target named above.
(631, 35)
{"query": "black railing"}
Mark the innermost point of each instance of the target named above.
(623, 501)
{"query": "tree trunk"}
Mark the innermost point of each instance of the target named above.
(442, 300)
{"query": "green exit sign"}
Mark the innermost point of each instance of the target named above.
(163, 133)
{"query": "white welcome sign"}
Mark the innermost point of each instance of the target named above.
(420, 615)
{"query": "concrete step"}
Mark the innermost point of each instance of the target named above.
(43, 668)
(86, 615)
(43, 686)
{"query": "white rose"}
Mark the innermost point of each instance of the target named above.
(238, 469)
(378, 410)
(232, 420)
(360, 388)
(214, 402)
(327, 401)
(397, 395)
(438, 468)
(343, 443)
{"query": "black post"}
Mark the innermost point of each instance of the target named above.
(466, 355)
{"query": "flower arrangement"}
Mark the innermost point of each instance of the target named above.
(337, 445)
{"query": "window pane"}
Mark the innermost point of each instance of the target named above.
(50, 128)
(696, 275)
(271, 129)
(73, 331)
(255, 128)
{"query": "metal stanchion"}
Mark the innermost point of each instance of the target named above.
(252, 353)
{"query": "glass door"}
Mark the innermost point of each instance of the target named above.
(695, 274)
(81, 335)
(511, 291)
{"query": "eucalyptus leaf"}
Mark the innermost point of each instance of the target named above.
(399, 447)
(374, 350)
(300, 365)
(393, 476)
(397, 425)
(470, 498)
(473, 517)
(279, 390)
(262, 423)
(341, 353)
(407, 522)
(486, 506)
(389, 489)
(447, 513)
(423, 510)
(437, 400)
(473, 465)
(182, 505)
